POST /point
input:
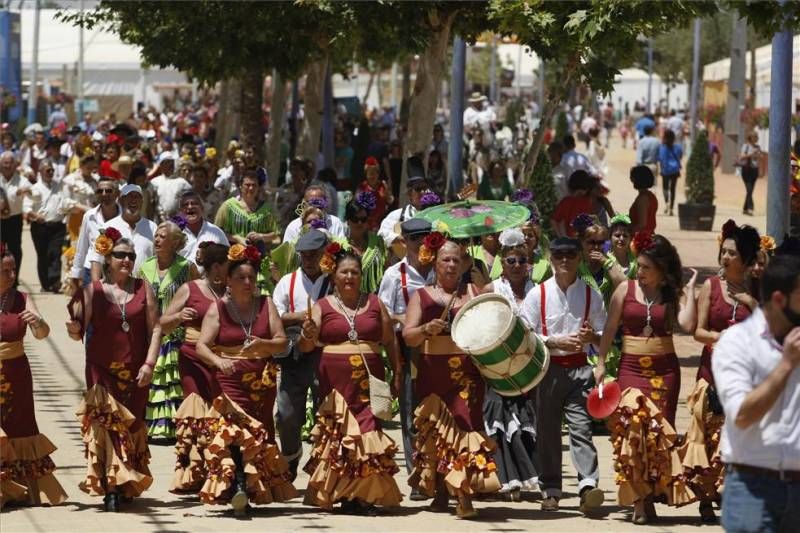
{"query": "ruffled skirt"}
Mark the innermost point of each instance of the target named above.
(646, 459)
(166, 393)
(26, 471)
(700, 452)
(193, 433)
(463, 458)
(116, 446)
(511, 422)
(266, 471)
(347, 464)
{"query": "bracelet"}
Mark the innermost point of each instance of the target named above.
(151, 365)
(38, 323)
(303, 336)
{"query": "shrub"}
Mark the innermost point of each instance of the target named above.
(700, 172)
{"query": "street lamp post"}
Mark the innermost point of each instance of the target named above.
(455, 149)
(695, 81)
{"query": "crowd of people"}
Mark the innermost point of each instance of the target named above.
(217, 311)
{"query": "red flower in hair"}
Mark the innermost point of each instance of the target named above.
(114, 139)
(333, 248)
(728, 229)
(371, 162)
(252, 254)
(643, 240)
(433, 241)
(113, 234)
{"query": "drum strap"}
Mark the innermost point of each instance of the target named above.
(291, 291)
(543, 307)
(404, 282)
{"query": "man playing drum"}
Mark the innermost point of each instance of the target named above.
(569, 316)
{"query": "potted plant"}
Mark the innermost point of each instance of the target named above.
(697, 214)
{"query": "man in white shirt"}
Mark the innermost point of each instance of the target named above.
(291, 296)
(317, 196)
(677, 125)
(569, 316)
(44, 209)
(572, 160)
(15, 188)
(197, 228)
(168, 187)
(399, 283)
(481, 115)
(389, 230)
(93, 219)
(131, 225)
(756, 375)
(555, 151)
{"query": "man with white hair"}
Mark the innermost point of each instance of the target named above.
(197, 229)
(315, 195)
(14, 188)
(167, 187)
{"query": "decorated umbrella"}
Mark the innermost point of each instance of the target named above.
(473, 218)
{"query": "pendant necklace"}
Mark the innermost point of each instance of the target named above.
(732, 321)
(647, 330)
(248, 337)
(126, 327)
(352, 335)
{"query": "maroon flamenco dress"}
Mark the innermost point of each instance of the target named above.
(26, 470)
(113, 408)
(200, 387)
(643, 433)
(451, 438)
(242, 430)
(700, 451)
(351, 457)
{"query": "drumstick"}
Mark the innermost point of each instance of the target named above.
(308, 307)
(600, 390)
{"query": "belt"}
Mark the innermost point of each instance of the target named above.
(11, 350)
(781, 475)
(440, 345)
(647, 345)
(192, 335)
(572, 360)
(349, 348)
(235, 352)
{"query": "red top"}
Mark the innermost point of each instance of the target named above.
(106, 171)
(720, 312)
(108, 342)
(569, 208)
(431, 308)
(197, 301)
(12, 327)
(377, 214)
(231, 332)
(652, 209)
(634, 315)
(335, 327)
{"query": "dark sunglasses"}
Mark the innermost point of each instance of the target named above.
(49, 170)
(358, 220)
(108, 190)
(124, 255)
(597, 244)
(562, 254)
(420, 188)
(514, 261)
(415, 238)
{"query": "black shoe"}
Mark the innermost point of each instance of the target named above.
(239, 498)
(293, 464)
(550, 504)
(111, 502)
(417, 496)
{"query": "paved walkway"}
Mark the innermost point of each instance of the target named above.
(57, 364)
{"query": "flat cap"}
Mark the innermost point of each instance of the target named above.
(311, 240)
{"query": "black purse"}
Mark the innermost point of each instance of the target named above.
(713, 401)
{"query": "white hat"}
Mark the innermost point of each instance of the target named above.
(33, 128)
(129, 188)
(476, 97)
(511, 237)
(165, 156)
(97, 136)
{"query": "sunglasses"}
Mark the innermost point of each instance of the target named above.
(105, 191)
(358, 220)
(415, 238)
(514, 261)
(420, 188)
(572, 254)
(124, 255)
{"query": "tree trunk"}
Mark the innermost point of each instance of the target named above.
(229, 115)
(422, 108)
(369, 86)
(313, 100)
(405, 93)
(276, 128)
(253, 117)
(752, 99)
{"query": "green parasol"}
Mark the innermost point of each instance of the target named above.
(473, 218)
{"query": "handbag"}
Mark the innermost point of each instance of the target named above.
(380, 394)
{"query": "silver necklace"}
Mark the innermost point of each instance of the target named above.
(647, 330)
(352, 335)
(126, 327)
(248, 337)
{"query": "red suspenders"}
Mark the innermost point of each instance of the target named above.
(404, 282)
(291, 291)
(571, 360)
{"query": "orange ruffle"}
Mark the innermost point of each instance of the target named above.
(266, 470)
(26, 471)
(346, 464)
(117, 458)
(193, 433)
(463, 457)
(645, 457)
(700, 454)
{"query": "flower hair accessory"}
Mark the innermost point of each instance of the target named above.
(522, 196)
(620, 218)
(767, 244)
(105, 242)
(328, 261)
(370, 162)
(240, 252)
(320, 203)
(429, 199)
(261, 174)
(318, 223)
(430, 245)
(511, 237)
(211, 153)
(583, 222)
(180, 221)
(366, 200)
(642, 241)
